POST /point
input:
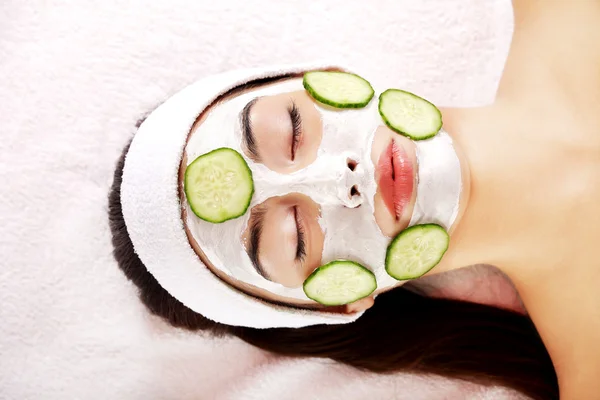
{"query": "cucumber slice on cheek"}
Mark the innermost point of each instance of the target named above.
(409, 114)
(415, 251)
(218, 185)
(402, 111)
(338, 89)
(339, 282)
(411, 254)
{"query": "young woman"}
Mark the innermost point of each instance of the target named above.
(515, 184)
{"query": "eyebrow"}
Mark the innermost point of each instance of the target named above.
(247, 133)
(257, 220)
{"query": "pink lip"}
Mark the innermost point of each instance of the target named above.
(396, 178)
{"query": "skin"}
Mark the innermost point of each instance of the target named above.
(273, 132)
(533, 209)
(279, 238)
(535, 162)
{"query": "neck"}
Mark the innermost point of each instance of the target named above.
(486, 232)
(515, 147)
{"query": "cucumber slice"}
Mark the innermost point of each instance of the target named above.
(415, 251)
(339, 282)
(218, 185)
(409, 114)
(338, 89)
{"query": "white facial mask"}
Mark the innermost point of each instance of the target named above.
(439, 182)
(350, 233)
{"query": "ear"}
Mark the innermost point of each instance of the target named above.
(360, 305)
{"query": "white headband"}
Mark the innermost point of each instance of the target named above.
(152, 211)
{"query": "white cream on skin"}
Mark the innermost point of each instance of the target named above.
(350, 233)
(439, 182)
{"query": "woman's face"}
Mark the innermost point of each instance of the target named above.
(329, 184)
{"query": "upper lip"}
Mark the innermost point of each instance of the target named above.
(395, 178)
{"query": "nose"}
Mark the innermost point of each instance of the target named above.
(330, 180)
(341, 180)
(349, 191)
(337, 180)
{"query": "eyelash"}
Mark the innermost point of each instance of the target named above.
(301, 247)
(296, 128)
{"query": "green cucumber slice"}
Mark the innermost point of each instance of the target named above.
(409, 114)
(338, 89)
(415, 251)
(218, 185)
(339, 282)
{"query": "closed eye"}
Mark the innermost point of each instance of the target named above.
(301, 245)
(296, 121)
(247, 132)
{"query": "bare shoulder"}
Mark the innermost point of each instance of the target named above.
(564, 304)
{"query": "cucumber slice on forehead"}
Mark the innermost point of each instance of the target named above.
(415, 251)
(338, 89)
(339, 282)
(218, 185)
(409, 114)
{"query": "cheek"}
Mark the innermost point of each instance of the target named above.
(273, 140)
(350, 233)
(312, 136)
(312, 130)
(317, 237)
(385, 220)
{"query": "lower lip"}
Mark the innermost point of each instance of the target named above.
(396, 179)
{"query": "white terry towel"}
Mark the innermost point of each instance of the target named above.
(76, 75)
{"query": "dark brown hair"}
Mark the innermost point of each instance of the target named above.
(403, 331)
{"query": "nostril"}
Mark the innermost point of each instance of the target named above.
(351, 164)
(354, 197)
